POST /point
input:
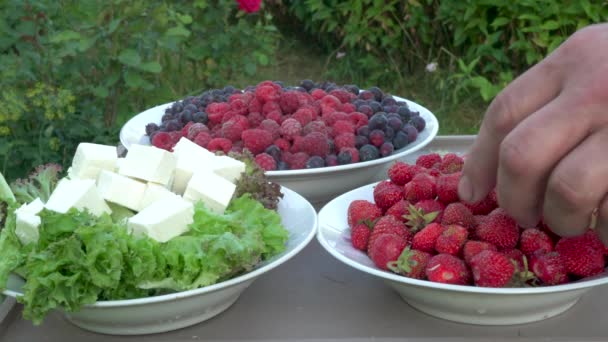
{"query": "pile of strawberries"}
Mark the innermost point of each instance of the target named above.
(418, 228)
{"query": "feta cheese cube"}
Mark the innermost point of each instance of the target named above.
(154, 193)
(90, 159)
(214, 191)
(228, 168)
(77, 193)
(28, 221)
(164, 219)
(121, 190)
(190, 157)
(148, 163)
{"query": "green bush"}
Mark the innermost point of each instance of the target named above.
(74, 71)
(478, 44)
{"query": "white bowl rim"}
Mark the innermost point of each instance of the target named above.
(215, 287)
(440, 286)
(431, 121)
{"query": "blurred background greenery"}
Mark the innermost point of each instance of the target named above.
(76, 70)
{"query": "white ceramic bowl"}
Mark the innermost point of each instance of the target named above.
(464, 304)
(179, 310)
(316, 185)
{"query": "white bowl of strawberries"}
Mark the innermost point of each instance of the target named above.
(465, 263)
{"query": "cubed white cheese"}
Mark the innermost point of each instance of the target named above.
(154, 193)
(190, 157)
(77, 193)
(214, 191)
(28, 221)
(90, 159)
(120, 189)
(148, 163)
(229, 168)
(164, 219)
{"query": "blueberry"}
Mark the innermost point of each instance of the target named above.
(177, 107)
(377, 137)
(358, 103)
(331, 88)
(344, 157)
(200, 117)
(400, 140)
(192, 108)
(389, 101)
(166, 117)
(411, 131)
(361, 140)
(386, 149)
(332, 146)
(404, 112)
(282, 166)
(363, 130)
(274, 151)
(173, 125)
(315, 162)
(352, 88)
(280, 84)
(217, 92)
(401, 103)
(394, 121)
(185, 116)
(331, 160)
(418, 122)
(377, 121)
(378, 94)
(368, 152)
(365, 109)
(391, 108)
(151, 128)
(366, 95)
(307, 84)
(376, 106)
(389, 133)
(300, 89)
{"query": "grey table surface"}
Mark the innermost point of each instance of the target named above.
(314, 297)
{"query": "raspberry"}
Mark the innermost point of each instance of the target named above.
(229, 115)
(345, 140)
(195, 129)
(272, 127)
(303, 115)
(232, 130)
(242, 120)
(297, 143)
(348, 108)
(274, 85)
(343, 95)
(275, 116)
(162, 140)
(202, 139)
(332, 117)
(289, 102)
(266, 162)
(354, 153)
(175, 136)
(184, 130)
(255, 119)
(330, 103)
(318, 94)
(245, 98)
(283, 144)
(239, 107)
(298, 160)
(358, 119)
(315, 126)
(217, 144)
(256, 140)
(267, 93)
(269, 107)
(216, 111)
(343, 126)
(315, 144)
(290, 128)
(331, 160)
(376, 137)
(255, 106)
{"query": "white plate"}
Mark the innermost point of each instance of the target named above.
(316, 185)
(179, 310)
(465, 304)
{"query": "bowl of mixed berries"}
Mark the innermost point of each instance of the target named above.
(469, 263)
(320, 139)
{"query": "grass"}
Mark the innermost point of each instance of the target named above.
(297, 60)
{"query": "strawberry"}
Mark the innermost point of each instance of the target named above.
(389, 225)
(359, 236)
(583, 255)
(362, 210)
(387, 193)
(471, 248)
(428, 160)
(517, 257)
(451, 163)
(401, 173)
(532, 240)
(498, 229)
(421, 187)
(399, 210)
(451, 240)
(485, 206)
(545, 228)
(549, 268)
(458, 213)
(411, 263)
(426, 238)
(448, 269)
(492, 269)
(418, 218)
(386, 248)
(430, 206)
(447, 187)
